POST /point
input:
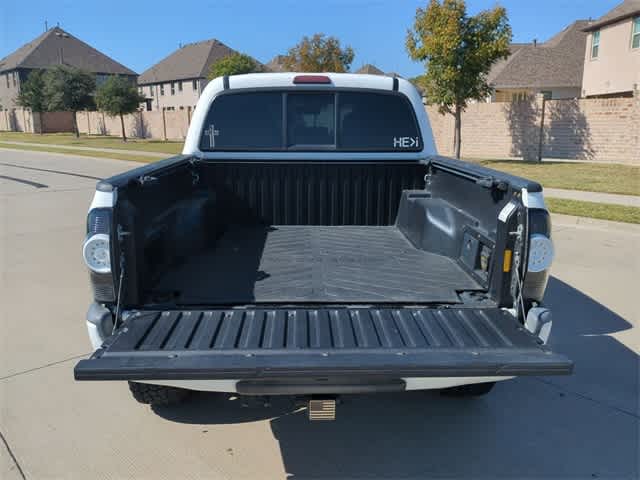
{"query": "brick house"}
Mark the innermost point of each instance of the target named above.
(612, 53)
(54, 47)
(369, 69)
(553, 68)
(276, 64)
(176, 82)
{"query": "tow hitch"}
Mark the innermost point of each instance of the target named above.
(322, 408)
(319, 407)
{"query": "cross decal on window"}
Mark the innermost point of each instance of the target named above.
(212, 133)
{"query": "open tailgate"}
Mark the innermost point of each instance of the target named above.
(333, 342)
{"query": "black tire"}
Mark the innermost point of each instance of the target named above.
(157, 395)
(473, 390)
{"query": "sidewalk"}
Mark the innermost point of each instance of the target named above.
(626, 200)
(91, 149)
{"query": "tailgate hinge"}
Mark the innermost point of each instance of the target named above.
(492, 183)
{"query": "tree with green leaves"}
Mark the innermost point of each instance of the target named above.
(318, 54)
(32, 92)
(234, 64)
(117, 96)
(458, 51)
(68, 89)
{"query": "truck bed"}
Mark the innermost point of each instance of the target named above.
(315, 264)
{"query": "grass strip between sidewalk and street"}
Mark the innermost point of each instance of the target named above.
(589, 177)
(602, 211)
(83, 153)
(94, 141)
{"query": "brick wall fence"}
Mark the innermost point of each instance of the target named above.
(24, 120)
(602, 130)
(162, 125)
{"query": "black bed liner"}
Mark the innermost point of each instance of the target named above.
(328, 342)
(316, 264)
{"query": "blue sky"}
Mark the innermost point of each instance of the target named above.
(138, 33)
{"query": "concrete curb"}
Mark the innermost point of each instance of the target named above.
(142, 153)
(133, 163)
(560, 220)
(596, 197)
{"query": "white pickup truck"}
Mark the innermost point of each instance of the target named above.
(310, 241)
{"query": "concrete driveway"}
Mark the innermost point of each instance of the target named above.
(583, 426)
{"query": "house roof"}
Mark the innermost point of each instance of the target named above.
(498, 66)
(369, 69)
(55, 47)
(276, 64)
(558, 62)
(627, 9)
(189, 61)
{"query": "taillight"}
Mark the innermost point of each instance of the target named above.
(99, 221)
(540, 255)
(96, 252)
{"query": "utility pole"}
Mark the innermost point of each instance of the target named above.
(545, 97)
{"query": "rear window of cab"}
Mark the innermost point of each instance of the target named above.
(311, 121)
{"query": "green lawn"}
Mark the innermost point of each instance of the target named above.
(95, 141)
(592, 177)
(603, 211)
(83, 153)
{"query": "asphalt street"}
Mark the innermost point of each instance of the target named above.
(582, 426)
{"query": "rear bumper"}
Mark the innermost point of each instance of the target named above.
(320, 346)
(266, 387)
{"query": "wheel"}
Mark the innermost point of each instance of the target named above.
(472, 390)
(158, 395)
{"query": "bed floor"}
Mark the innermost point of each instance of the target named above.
(323, 264)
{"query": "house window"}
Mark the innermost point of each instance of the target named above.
(15, 79)
(195, 85)
(173, 88)
(595, 44)
(179, 86)
(162, 89)
(635, 33)
(140, 90)
(8, 85)
(519, 96)
(101, 78)
(151, 90)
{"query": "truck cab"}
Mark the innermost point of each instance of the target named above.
(310, 241)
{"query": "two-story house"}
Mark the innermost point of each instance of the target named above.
(612, 54)
(176, 82)
(553, 68)
(54, 47)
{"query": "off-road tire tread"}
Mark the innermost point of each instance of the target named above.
(158, 395)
